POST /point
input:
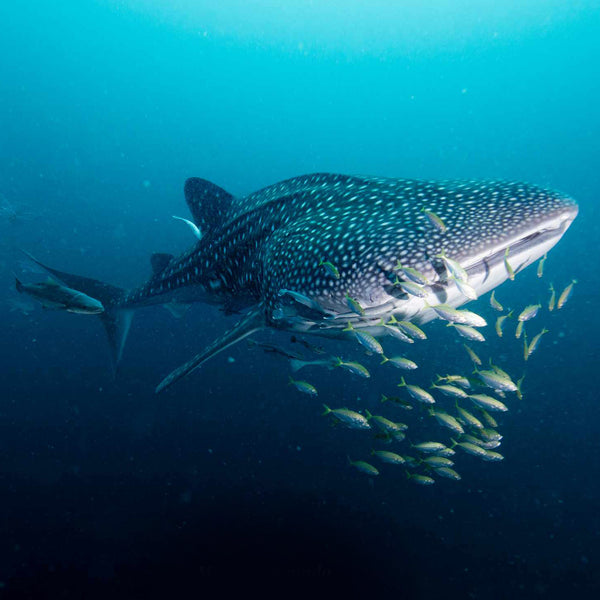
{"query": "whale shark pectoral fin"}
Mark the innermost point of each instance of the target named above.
(252, 322)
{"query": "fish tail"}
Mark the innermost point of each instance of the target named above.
(115, 318)
(327, 409)
(402, 382)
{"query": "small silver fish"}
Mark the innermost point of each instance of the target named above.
(519, 329)
(445, 452)
(494, 303)
(465, 289)
(509, 269)
(304, 387)
(535, 343)
(519, 391)
(500, 323)
(446, 420)
(400, 362)
(453, 267)
(417, 392)
(410, 329)
(460, 380)
(366, 339)
(330, 268)
(348, 417)
(497, 381)
(464, 317)
(354, 368)
(420, 479)
(490, 435)
(492, 456)
(385, 424)
(396, 332)
(412, 274)
(468, 418)
(450, 390)
(540, 269)
(354, 305)
(529, 312)
(448, 473)
(490, 421)
(429, 447)
(388, 457)
(434, 220)
(363, 467)
(565, 295)
(437, 461)
(468, 332)
(412, 289)
(470, 448)
(552, 300)
(488, 402)
(476, 360)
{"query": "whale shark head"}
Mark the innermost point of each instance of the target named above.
(369, 225)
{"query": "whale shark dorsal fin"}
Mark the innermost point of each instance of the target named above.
(208, 203)
(159, 262)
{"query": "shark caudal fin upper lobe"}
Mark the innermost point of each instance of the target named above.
(115, 318)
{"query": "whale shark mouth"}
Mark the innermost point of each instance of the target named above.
(523, 250)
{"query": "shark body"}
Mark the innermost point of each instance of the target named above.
(263, 254)
(54, 296)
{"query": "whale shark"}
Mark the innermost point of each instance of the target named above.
(266, 254)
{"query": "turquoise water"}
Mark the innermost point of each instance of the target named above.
(105, 109)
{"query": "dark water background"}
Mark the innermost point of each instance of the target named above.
(232, 481)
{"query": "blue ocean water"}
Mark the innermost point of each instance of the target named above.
(232, 480)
